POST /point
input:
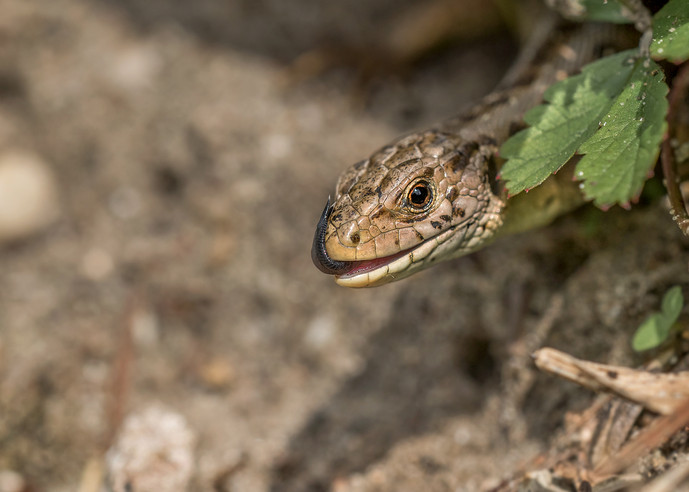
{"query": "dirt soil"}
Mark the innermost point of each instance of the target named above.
(178, 274)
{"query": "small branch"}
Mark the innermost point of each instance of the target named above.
(121, 371)
(659, 392)
(648, 439)
(663, 393)
(678, 207)
(120, 387)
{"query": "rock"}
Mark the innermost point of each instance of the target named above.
(28, 195)
(153, 453)
(11, 481)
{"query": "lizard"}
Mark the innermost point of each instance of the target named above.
(435, 194)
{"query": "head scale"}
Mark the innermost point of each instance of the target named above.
(424, 198)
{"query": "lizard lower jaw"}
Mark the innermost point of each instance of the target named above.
(371, 273)
(368, 271)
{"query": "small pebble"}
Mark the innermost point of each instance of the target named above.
(11, 481)
(154, 452)
(28, 195)
(97, 264)
(135, 68)
(217, 374)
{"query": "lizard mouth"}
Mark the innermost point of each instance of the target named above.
(344, 270)
(379, 271)
(376, 271)
(365, 266)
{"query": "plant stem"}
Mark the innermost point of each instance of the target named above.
(667, 156)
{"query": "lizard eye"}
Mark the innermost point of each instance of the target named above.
(420, 195)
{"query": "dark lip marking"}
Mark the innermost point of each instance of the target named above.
(436, 225)
(446, 218)
(458, 211)
(319, 255)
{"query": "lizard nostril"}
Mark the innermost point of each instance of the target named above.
(349, 235)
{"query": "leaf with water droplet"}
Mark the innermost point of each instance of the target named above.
(619, 156)
(671, 32)
(602, 112)
(575, 111)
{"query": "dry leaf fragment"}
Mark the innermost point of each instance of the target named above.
(659, 392)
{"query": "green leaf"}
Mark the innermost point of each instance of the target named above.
(672, 304)
(650, 334)
(621, 154)
(577, 105)
(613, 111)
(671, 31)
(655, 330)
(606, 11)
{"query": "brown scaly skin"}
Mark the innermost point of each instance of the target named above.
(373, 216)
(432, 195)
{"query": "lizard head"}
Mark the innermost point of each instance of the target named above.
(424, 198)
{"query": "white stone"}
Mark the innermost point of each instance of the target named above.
(28, 195)
(153, 453)
(11, 481)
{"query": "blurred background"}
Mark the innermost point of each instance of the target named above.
(162, 167)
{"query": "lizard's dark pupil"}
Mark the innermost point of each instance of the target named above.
(419, 195)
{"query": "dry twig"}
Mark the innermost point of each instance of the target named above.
(659, 392)
(667, 394)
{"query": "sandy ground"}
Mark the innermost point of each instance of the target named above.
(177, 274)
